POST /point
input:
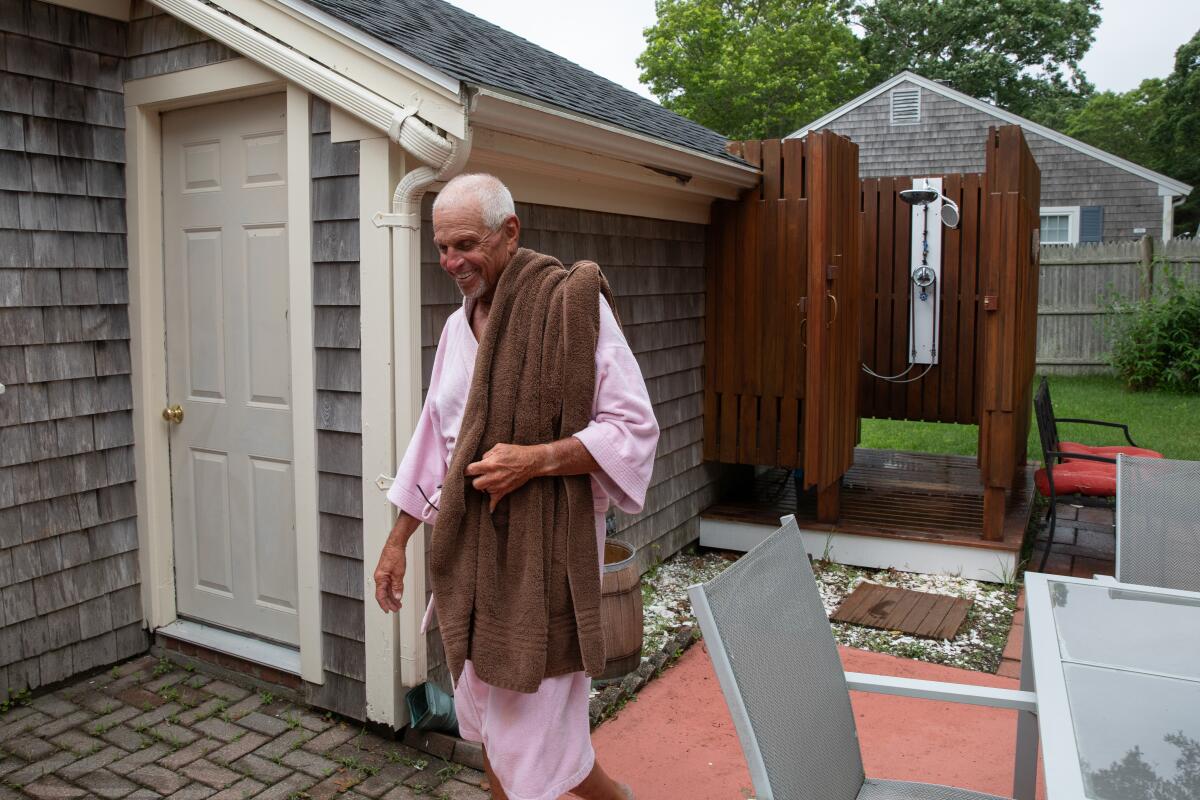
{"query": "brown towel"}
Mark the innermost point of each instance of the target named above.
(518, 590)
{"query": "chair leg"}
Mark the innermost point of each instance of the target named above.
(1052, 514)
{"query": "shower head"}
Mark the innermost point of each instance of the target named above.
(919, 197)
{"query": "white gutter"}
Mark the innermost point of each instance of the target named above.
(418, 139)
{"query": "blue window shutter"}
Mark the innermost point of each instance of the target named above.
(1091, 223)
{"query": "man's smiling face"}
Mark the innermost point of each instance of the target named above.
(469, 251)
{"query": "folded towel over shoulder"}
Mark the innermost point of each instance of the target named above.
(518, 590)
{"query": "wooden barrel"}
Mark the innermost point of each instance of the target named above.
(621, 610)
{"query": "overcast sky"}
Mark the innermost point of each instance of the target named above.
(1136, 38)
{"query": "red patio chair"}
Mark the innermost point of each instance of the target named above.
(1080, 474)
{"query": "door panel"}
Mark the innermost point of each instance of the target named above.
(225, 235)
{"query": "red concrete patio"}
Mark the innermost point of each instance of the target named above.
(677, 740)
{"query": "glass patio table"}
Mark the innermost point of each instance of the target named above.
(1116, 670)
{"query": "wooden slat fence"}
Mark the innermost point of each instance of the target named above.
(1079, 283)
(766, 341)
(947, 392)
(754, 386)
(833, 309)
(1009, 284)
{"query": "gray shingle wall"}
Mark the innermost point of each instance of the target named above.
(158, 43)
(950, 138)
(69, 594)
(656, 270)
(339, 419)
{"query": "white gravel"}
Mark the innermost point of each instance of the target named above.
(978, 646)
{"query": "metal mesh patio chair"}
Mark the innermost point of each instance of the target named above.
(774, 654)
(1080, 474)
(1158, 527)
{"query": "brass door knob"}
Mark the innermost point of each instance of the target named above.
(173, 414)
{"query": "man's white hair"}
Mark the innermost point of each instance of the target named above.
(494, 199)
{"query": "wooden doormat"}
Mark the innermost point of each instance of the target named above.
(934, 616)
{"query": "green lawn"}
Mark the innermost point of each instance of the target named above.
(1168, 423)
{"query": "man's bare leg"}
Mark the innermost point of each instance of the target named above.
(493, 781)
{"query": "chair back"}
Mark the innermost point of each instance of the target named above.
(1043, 409)
(1158, 525)
(771, 646)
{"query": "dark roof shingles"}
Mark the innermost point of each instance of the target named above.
(476, 51)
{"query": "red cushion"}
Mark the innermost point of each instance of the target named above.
(1107, 452)
(1090, 478)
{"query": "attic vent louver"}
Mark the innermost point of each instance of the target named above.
(906, 106)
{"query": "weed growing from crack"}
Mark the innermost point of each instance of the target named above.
(448, 771)
(14, 699)
(415, 763)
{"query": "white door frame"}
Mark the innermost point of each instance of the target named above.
(144, 100)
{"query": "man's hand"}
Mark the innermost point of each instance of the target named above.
(506, 468)
(389, 577)
(389, 574)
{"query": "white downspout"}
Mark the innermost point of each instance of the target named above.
(1170, 201)
(404, 219)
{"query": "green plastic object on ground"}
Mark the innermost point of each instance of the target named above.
(431, 709)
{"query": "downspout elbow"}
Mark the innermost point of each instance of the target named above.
(445, 157)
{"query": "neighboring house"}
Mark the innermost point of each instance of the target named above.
(910, 125)
(216, 324)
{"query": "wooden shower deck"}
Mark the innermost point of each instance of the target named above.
(897, 495)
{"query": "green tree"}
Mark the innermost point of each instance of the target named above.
(752, 68)
(1022, 55)
(1177, 134)
(1121, 122)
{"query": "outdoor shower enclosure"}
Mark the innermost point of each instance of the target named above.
(809, 279)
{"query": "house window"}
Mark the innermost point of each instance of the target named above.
(1060, 225)
(906, 106)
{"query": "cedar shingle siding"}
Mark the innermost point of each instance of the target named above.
(334, 170)
(949, 138)
(69, 593)
(656, 270)
(70, 598)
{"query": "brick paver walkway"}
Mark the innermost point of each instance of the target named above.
(148, 729)
(1084, 545)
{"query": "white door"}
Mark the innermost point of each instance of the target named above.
(224, 215)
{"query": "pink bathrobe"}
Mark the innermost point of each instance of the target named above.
(539, 744)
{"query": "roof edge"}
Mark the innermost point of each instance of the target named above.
(546, 123)
(1175, 187)
(375, 45)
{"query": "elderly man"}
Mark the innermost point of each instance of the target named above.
(536, 419)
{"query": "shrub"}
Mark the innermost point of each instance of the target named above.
(1156, 342)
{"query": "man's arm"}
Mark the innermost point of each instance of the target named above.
(507, 467)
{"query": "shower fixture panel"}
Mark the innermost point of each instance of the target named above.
(930, 212)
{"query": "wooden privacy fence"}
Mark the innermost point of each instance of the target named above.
(783, 313)
(1078, 283)
(1008, 325)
